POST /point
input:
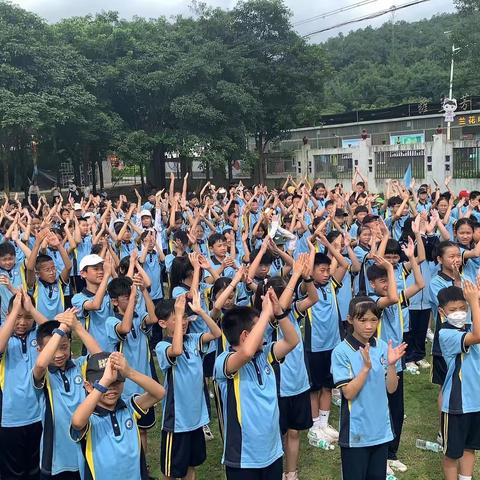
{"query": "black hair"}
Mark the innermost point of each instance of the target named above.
(277, 283)
(220, 284)
(450, 294)
(474, 194)
(463, 221)
(267, 258)
(321, 259)
(441, 247)
(216, 237)
(328, 203)
(374, 272)
(117, 226)
(235, 321)
(165, 308)
(362, 304)
(360, 209)
(96, 249)
(333, 235)
(120, 286)
(181, 269)
(6, 248)
(392, 247)
(396, 200)
(123, 266)
(182, 236)
(46, 330)
(41, 259)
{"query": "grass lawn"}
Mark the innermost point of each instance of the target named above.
(316, 464)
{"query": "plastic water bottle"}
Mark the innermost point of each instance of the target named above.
(430, 446)
(391, 477)
(323, 444)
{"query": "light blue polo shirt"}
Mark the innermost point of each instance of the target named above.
(60, 395)
(94, 320)
(364, 420)
(184, 406)
(461, 390)
(19, 405)
(250, 411)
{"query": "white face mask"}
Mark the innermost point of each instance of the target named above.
(457, 319)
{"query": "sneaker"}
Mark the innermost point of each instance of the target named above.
(317, 433)
(330, 432)
(430, 335)
(423, 364)
(207, 433)
(397, 465)
(290, 476)
(389, 470)
(412, 368)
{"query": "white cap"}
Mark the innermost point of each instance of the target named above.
(88, 214)
(145, 213)
(77, 206)
(90, 261)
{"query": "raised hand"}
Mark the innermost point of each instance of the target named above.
(110, 374)
(195, 304)
(180, 302)
(395, 354)
(365, 352)
(409, 249)
(471, 291)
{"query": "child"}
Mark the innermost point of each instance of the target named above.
(322, 335)
(106, 424)
(252, 442)
(12, 274)
(391, 327)
(47, 289)
(20, 427)
(363, 367)
(223, 263)
(92, 304)
(58, 382)
(128, 332)
(461, 393)
(185, 412)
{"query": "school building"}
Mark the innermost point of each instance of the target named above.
(382, 143)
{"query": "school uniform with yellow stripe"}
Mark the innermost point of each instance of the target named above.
(365, 420)
(49, 297)
(111, 443)
(250, 411)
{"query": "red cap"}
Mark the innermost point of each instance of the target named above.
(464, 194)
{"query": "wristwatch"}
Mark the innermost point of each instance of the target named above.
(58, 331)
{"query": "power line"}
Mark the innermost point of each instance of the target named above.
(367, 17)
(334, 12)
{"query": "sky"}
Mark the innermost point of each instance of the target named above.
(54, 10)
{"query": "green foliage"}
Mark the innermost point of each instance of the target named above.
(402, 62)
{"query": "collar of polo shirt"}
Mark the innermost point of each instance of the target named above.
(356, 344)
(103, 412)
(68, 365)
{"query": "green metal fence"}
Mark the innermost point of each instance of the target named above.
(393, 163)
(466, 162)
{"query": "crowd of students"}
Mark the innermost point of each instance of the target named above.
(266, 304)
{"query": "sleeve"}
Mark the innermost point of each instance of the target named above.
(219, 370)
(336, 285)
(143, 326)
(164, 361)
(341, 368)
(37, 387)
(138, 412)
(78, 435)
(452, 342)
(111, 329)
(202, 347)
(298, 315)
(80, 361)
(78, 301)
(268, 350)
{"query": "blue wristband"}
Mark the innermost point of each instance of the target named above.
(59, 332)
(98, 386)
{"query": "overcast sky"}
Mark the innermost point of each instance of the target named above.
(53, 10)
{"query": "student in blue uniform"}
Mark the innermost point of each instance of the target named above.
(12, 276)
(20, 422)
(58, 383)
(252, 443)
(92, 303)
(43, 279)
(292, 376)
(180, 356)
(391, 327)
(105, 423)
(459, 342)
(363, 367)
(322, 335)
